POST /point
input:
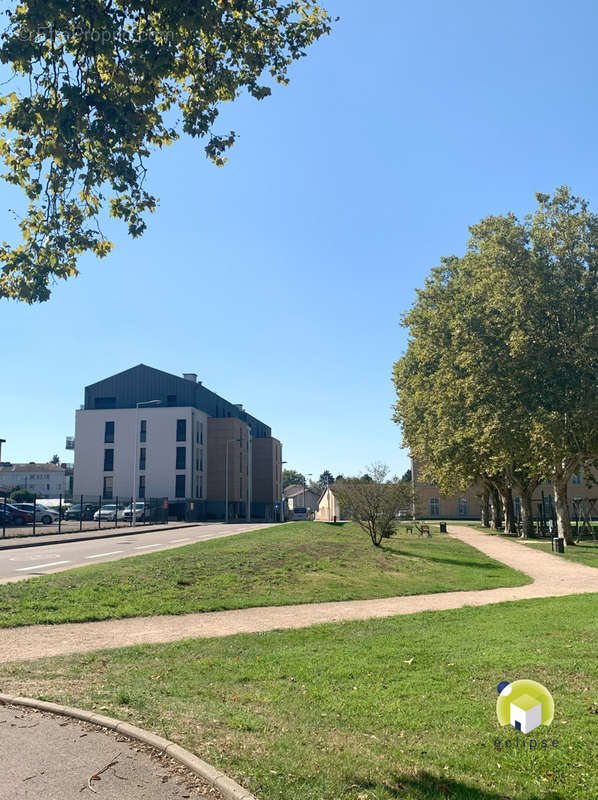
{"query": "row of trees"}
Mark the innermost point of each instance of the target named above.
(498, 384)
(291, 476)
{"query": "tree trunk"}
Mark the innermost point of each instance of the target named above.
(527, 513)
(495, 517)
(506, 496)
(563, 520)
(485, 508)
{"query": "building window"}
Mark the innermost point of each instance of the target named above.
(179, 489)
(181, 430)
(108, 459)
(109, 432)
(142, 486)
(107, 492)
(576, 478)
(462, 506)
(201, 461)
(181, 457)
(142, 458)
(201, 432)
(171, 400)
(434, 507)
(200, 488)
(143, 430)
(517, 507)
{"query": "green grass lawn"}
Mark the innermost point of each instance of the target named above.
(379, 710)
(584, 552)
(303, 562)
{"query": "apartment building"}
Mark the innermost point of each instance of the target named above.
(146, 433)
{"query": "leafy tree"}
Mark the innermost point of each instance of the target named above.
(325, 479)
(55, 459)
(98, 85)
(407, 476)
(19, 495)
(498, 382)
(374, 503)
(291, 476)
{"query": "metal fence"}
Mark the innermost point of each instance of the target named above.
(73, 515)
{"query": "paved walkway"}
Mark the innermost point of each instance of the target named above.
(551, 576)
(53, 758)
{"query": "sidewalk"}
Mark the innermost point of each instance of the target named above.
(56, 758)
(551, 577)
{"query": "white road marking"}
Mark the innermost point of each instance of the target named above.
(111, 553)
(42, 566)
(142, 546)
(174, 541)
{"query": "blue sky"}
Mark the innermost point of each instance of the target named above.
(280, 279)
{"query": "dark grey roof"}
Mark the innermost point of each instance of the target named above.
(142, 383)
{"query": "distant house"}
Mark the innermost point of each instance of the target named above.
(328, 509)
(44, 480)
(299, 496)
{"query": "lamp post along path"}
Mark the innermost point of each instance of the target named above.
(135, 448)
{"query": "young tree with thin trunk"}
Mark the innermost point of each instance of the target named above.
(375, 503)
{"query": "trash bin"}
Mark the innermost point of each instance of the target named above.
(443, 527)
(558, 544)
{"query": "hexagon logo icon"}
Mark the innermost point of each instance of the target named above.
(524, 704)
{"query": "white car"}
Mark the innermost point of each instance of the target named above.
(110, 513)
(141, 510)
(47, 516)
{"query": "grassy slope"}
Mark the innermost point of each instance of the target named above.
(584, 552)
(379, 710)
(298, 563)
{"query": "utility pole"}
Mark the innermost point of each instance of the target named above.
(249, 474)
(281, 489)
(1, 443)
(228, 441)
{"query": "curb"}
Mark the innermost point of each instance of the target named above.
(229, 789)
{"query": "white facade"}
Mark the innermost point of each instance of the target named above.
(45, 480)
(156, 430)
(328, 508)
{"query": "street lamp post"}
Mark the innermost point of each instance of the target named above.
(228, 441)
(135, 434)
(281, 489)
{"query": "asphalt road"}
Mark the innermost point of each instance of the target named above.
(19, 564)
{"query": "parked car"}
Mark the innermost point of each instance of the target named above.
(17, 517)
(5, 516)
(142, 511)
(47, 516)
(300, 513)
(111, 513)
(78, 511)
